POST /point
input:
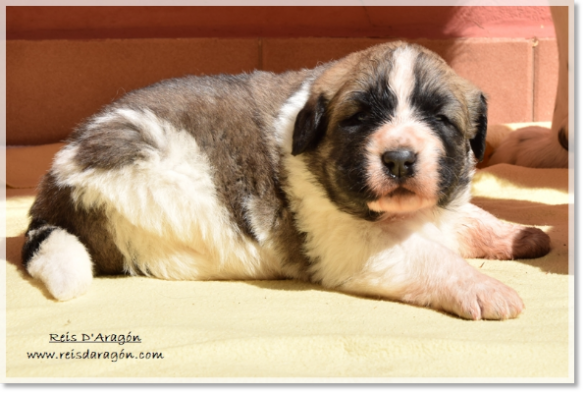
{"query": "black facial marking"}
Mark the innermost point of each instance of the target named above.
(430, 105)
(375, 105)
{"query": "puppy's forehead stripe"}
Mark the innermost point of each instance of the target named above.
(402, 79)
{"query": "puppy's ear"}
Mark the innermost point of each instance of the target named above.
(479, 122)
(311, 125)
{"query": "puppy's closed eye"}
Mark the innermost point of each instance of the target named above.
(357, 119)
(443, 119)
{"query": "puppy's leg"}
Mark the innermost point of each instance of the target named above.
(482, 235)
(426, 273)
(536, 146)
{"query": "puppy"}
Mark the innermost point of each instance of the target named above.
(355, 175)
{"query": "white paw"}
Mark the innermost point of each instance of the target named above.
(533, 146)
(482, 297)
(63, 264)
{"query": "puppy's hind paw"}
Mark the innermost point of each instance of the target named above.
(63, 264)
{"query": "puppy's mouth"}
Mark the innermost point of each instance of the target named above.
(400, 192)
(399, 201)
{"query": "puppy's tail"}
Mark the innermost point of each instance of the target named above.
(58, 259)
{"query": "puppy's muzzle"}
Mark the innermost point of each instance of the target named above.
(400, 163)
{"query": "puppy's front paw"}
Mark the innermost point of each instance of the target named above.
(484, 298)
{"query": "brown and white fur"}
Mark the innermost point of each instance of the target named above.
(355, 175)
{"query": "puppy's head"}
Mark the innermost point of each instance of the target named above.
(391, 130)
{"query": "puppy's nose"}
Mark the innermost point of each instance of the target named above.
(400, 162)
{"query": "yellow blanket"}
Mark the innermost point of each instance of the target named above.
(288, 329)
